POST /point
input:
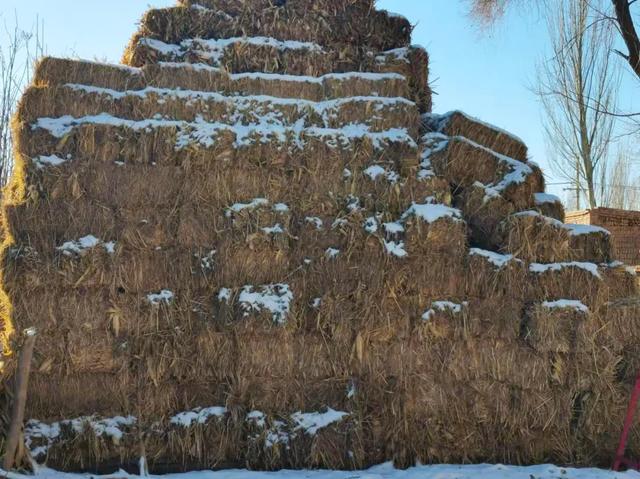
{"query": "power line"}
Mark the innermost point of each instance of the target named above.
(608, 185)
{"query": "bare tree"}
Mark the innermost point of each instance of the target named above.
(488, 11)
(576, 86)
(21, 49)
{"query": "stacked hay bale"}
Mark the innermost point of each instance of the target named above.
(254, 245)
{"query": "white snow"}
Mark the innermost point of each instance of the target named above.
(51, 160)
(273, 230)
(198, 416)
(47, 434)
(281, 208)
(164, 296)
(395, 248)
(224, 295)
(393, 228)
(499, 260)
(266, 130)
(252, 205)
(374, 171)
(274, 298)
(566, 304)
(331, 253)
(214, 49)
(82, 245)
(430, 212)
(315, 221)
(544, 267)
(577, 230)
(455, 308)
(544, 198)
(397, 54)
(371, 225)
(312, 422)
(382, 471)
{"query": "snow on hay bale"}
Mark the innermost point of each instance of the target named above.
(376, 29)
(249, 251)
(537, 238)
(457, 123)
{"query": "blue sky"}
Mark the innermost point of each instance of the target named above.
(486, 75)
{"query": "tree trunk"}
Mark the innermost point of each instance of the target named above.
(629, 33)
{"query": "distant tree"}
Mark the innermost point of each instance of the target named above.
(576, 86)
(622, 189)
(21, 48)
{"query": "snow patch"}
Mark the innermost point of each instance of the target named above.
(312, 422)
(165, 296)
(430, 212)
(274, 298)
(566, 304)
(544, 267)
(198, 416)
(443, 306)
(81, 246)
(497, 259)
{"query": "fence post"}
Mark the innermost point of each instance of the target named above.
(19, 399)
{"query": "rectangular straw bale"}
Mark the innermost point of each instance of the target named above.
(112, 184)
(329, 447)
(550, 205)
(193, 444)
(94, 143)
(531, 237)
(521, 192)
(457, 123)
(236, 7)
(465, 163)
(394, 358)
(274, 395)
(484, 212)
(258, 260)
(379, 30)
(443, 236)
(283, 354)
(59, 71)
(574, 280)
(52, 397)
(28, 268)
(491, 275)
(591, 246)
(553, 329)
(496, 317)
(147, 227)
(600, 416)
(98, 449)
(434, 276)
(151, 271)
(45, 225)
(143, 271)
(617, 328)
(444, 320)
(222, 184)
(496, 361)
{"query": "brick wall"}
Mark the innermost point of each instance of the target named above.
(623, 225)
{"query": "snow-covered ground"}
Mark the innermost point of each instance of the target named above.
(384, 471)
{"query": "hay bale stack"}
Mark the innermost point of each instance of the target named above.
(247, 247)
